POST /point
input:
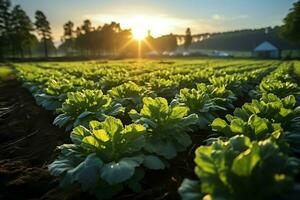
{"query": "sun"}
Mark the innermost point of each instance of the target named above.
(139, 33)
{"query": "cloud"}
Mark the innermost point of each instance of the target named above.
(217, 17)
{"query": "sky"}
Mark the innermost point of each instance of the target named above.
(162, 16)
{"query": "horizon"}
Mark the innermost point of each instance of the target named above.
(162, 18)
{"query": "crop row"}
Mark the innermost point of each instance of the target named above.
(254, 152)
(125, 119)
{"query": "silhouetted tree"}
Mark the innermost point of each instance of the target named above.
(43, 29)
(68, 37)
(87, 26)
(166, 43)
(188, 38)
(291, 27)
(4, 26)
(68, 30)
(21, 27)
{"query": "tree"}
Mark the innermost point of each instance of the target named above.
(4, 25)
(87, 26)
(291, 27)
(43, 29)
(21, 26)
(188, 38)
(4, 16)
(68, 30)
(68, 37)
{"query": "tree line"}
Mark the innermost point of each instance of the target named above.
(20, 37)
(17, 38)
(112, 40)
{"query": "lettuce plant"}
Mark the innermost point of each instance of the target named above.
(232, 82)
(283, 111)
(240, 169)
(104, 158)
(83, 106)
(254, 127)
(163, 87)
(221, 96)
(54, 93)
(198, 103)
(129, 95)
(279, 88)
(259, 119)
(205, 101)
(167, 126)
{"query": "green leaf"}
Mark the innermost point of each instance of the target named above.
(117, 172)
(90, 141)
(60, 166)
(179, 112)
(79, 133)
(190, 190)
(258, 124)
(87, 173)
(112, 125)
(218, 125)
(153, 162)
(238, 126)
(162, 148)
(246, 161)
(61, 120)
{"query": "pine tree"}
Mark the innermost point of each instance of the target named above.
(21, 30)
(188, 38)
(4, 26)
(43, 28)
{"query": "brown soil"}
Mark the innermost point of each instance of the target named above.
(27, 144)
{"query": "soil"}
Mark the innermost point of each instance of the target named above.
(28, 143)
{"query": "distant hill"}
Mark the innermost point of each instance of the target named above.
(244, 40)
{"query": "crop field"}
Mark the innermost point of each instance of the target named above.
(151, 129)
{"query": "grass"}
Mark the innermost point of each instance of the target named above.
(5, 73)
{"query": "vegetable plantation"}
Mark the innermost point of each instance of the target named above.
(198, 129)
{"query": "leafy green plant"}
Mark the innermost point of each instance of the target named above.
(54, 93)
(129, 95)
(283, 111)
(240, 169)
(231, 82)
(205, 101)
(259, 119)
(83, 106)
(167, 126)
(198, 103)
(256, 128)
(104, 158)
(279, 88)
(163, 87)
(221, 96)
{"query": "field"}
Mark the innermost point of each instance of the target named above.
(150, 129)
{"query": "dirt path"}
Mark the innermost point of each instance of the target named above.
(27, 144)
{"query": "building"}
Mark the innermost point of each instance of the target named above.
(266, 50)
(264, 43)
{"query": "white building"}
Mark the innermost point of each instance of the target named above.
(266, 50)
